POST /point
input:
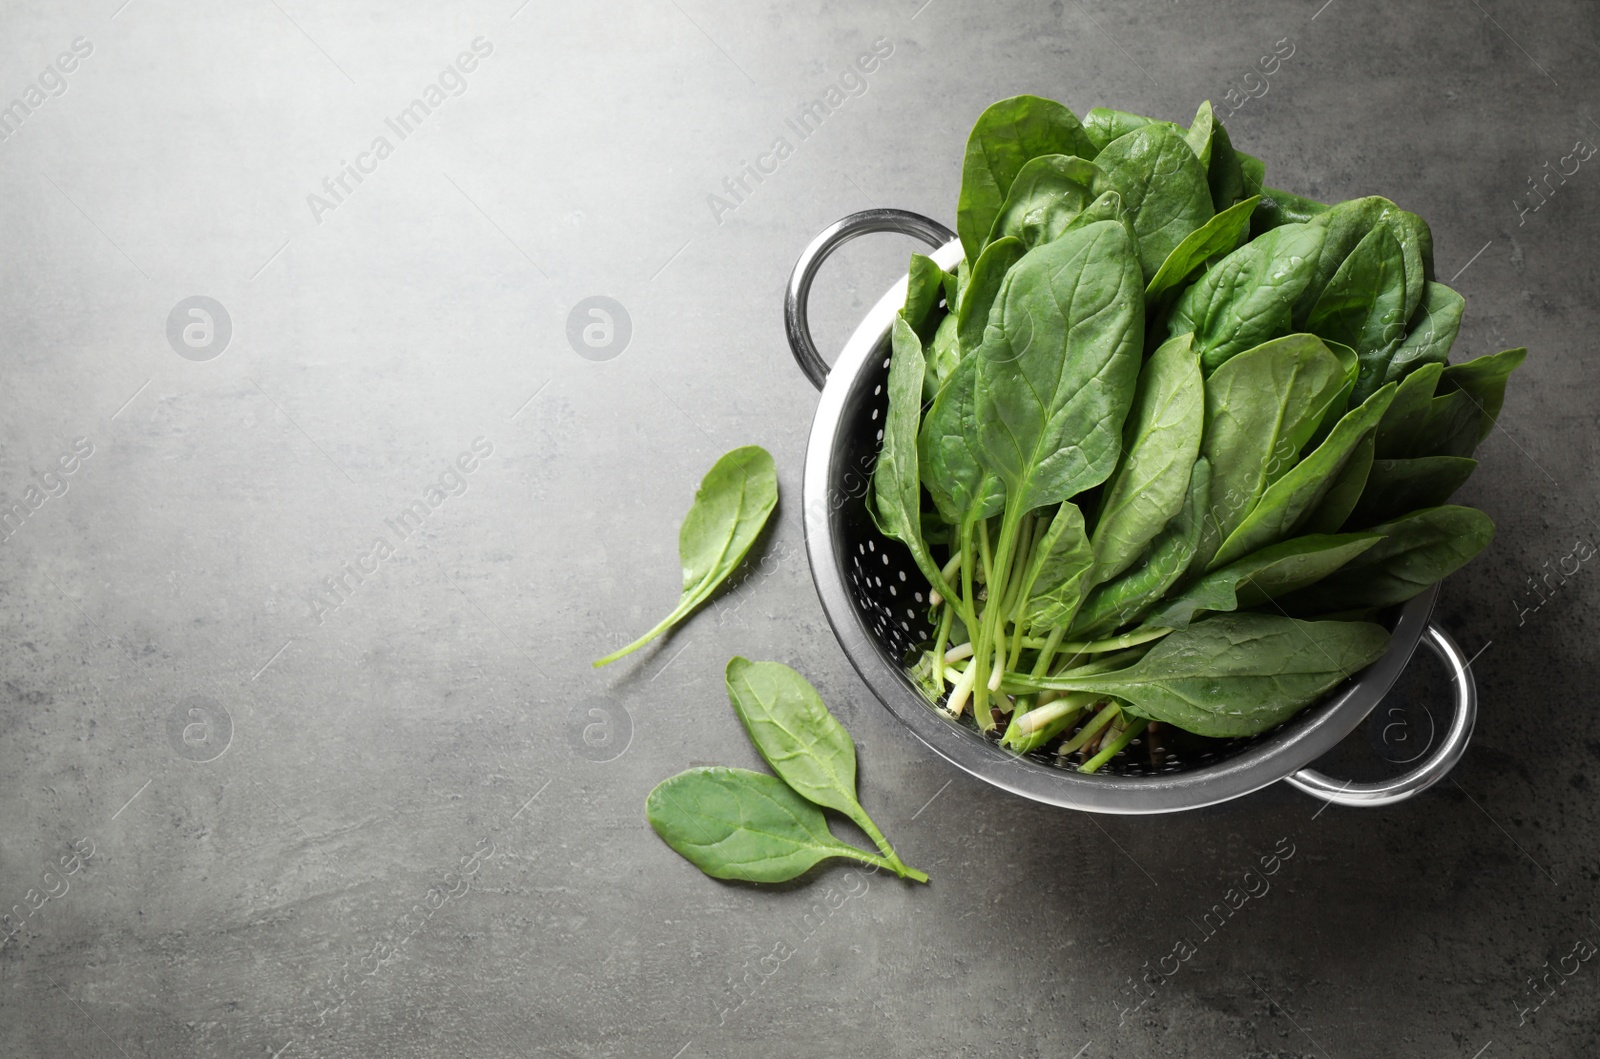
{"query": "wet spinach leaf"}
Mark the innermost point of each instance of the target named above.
(1048, 193)
(1219, 235)
(1363, 307)
(1163, 188)
(1006, 136)
(1430, 334)
(1245, 299)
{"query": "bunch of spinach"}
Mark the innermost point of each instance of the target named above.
(737, 824)
(1168, 441)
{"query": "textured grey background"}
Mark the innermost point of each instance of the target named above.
(159, 611)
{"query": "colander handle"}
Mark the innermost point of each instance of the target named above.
(1441, 758)
(795, 319)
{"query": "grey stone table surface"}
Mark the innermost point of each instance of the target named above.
(300, 750)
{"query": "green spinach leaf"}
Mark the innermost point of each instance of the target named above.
(1347, 223)
(1161, 439)
(1261, 576)
(802, 742)
(1219, 235)
(1048, 193)
(1224, 170)
(1417, 550)
(1431, 332)
(1287, 501)
(1344, 493)
(729, 510)
(1363, 307)
(1163, 188)
(1466, 405)
(1058, 573)
(1397, 486)
(1399, 434)
(943, 356)
(951, 466)
(977, 301)
(1261, 408)
(924, 285)
(1277, 208)
(737, 824)
(1102, 125)
(1005, 137)
(1245, 299)
(1058, 365)
(1126, 597)
(896, 482)
(1233, 675)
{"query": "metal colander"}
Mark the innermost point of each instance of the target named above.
(877, 603)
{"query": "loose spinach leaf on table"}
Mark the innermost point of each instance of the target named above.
(737, 824)
(802, 742)
(1047, 194)
(1396, 486)
(1058, 364)
(1163, 188)
(1245, 299)
(1267, 574)
(729, 510)
(1161, 439)
(1005, 137)
(1293, 496)
(1417, 550)
(1232, 675)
